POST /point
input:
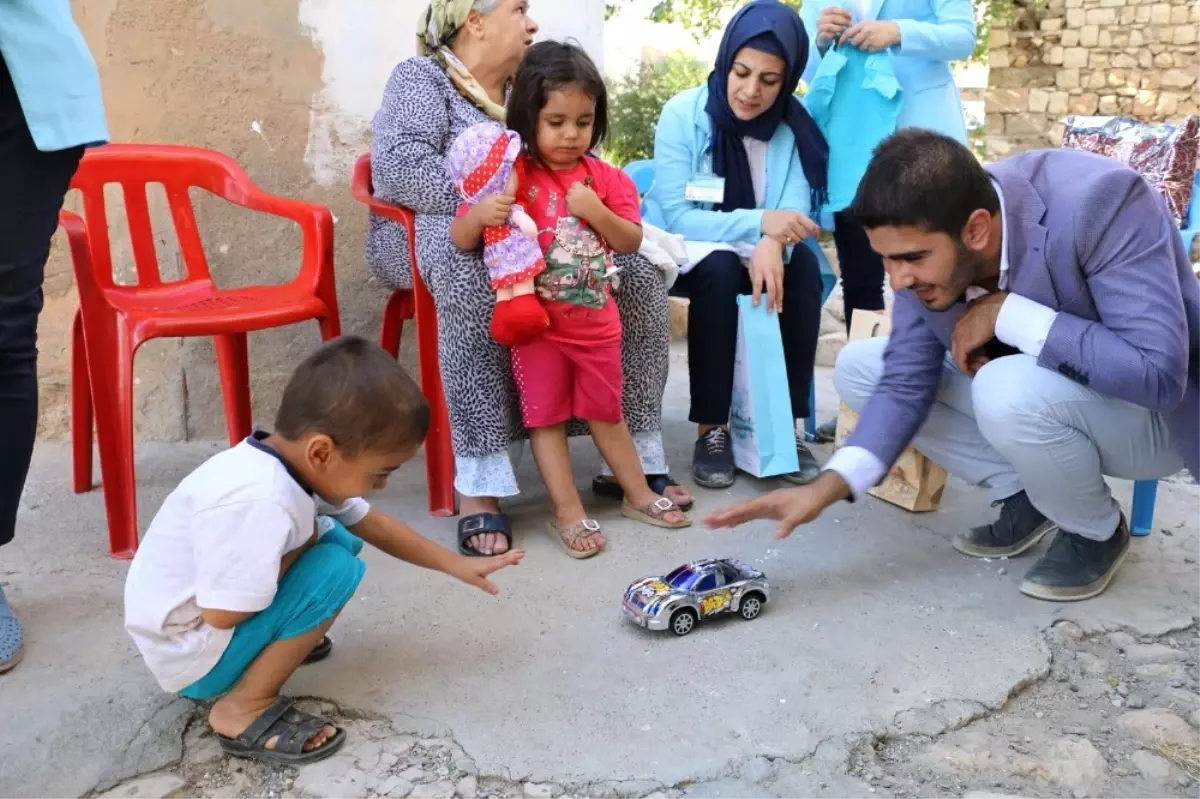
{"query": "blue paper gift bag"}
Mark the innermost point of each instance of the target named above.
(764, 430)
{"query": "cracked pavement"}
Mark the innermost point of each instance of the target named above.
(880, 645)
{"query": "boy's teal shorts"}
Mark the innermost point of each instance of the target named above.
(318, 585)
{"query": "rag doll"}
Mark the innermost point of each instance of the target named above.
(483, 161)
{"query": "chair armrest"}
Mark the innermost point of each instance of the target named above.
(315, 221)
(79, 241)
(396, 213)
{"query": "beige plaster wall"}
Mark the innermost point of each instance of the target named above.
(287, 88)
(201, 73)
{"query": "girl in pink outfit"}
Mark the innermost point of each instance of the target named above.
(584, 210)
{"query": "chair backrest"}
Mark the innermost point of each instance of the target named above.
(642, 175)
(177, 169)
(360, 181)
(364, 192)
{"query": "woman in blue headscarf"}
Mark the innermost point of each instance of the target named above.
(739, 168)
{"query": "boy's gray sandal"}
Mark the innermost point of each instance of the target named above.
(294, 728)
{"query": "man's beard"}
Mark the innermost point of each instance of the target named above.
(967, 265)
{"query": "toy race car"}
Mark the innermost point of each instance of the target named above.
(698, 590)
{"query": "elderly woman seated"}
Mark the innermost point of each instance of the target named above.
(469, 53)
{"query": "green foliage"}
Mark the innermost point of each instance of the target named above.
(703, 18)
(637, 100)
(986, 11)
(977, 139)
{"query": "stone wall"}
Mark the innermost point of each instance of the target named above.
(1107, 57)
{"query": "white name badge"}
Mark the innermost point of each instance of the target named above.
(705, 189)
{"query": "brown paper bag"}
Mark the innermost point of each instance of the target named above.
(915, 483)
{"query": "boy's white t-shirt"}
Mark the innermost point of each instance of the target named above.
(217, 542)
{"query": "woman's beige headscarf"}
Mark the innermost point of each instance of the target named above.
(437, 25)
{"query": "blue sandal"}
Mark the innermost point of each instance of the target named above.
(12, 637)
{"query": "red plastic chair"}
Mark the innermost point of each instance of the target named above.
(115, 319)
(416, 304)
(401, 307)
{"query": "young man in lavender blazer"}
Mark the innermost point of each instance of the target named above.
(1044, 335)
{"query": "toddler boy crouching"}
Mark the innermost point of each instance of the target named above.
(249, 561)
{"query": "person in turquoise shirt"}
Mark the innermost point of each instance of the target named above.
(50, 109)
(922, 37)
(739, 168)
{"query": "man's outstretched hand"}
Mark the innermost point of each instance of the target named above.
(791, 507)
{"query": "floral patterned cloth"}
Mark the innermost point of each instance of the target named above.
(480, 162)
(1164, 153)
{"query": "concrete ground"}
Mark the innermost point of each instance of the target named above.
(881, 650)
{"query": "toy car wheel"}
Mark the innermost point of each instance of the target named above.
(751, 607)
(683, 622)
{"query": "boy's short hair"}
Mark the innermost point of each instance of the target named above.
(358, 395)
(920, 178)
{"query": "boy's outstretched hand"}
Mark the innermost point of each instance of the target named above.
(791, 507)
(475, 571)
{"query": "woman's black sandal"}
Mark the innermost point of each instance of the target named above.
(294, 729)
(482, 524)
(609, 488)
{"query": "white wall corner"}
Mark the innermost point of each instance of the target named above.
(361, 42)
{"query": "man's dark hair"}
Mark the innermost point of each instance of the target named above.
(919, 178)
(358, 395)
(547, 67)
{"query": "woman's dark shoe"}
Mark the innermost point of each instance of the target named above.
(1076, 568)
(712, 461)
(826, 433)
(481, 524)
(1019, 528)
(808, 469)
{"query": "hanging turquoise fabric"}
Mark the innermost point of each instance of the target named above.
(855, 99)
